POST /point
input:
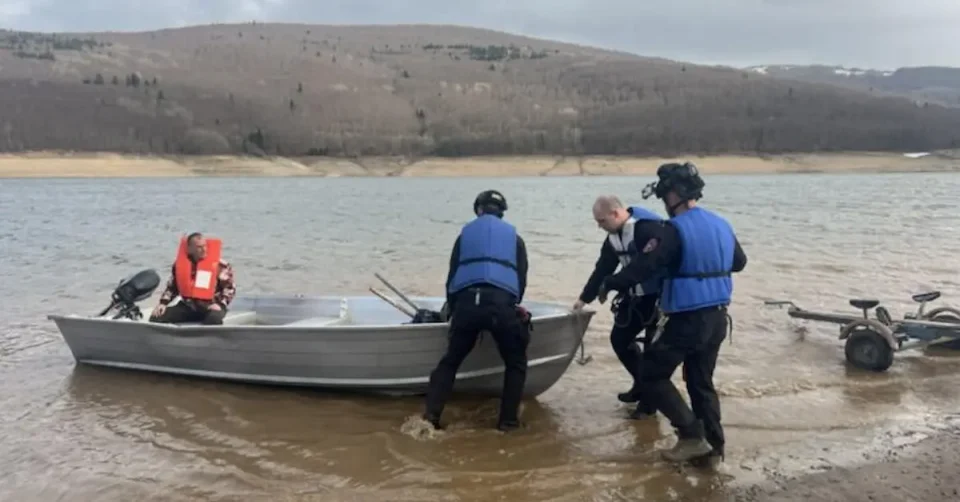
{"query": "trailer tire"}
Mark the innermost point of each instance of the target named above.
(867, 349)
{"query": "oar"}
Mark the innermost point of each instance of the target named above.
(398, 292)
(392, 302)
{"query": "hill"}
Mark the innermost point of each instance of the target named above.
(291, 90)
(923, 84)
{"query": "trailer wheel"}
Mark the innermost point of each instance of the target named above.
(866, 349)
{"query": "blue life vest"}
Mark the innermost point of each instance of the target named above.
(626, 248)
(488, 255)
(703, 280)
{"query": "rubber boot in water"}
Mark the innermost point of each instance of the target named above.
(508, 425)
(433, 419)
(690, 445)
(708, 461)
(642, 411)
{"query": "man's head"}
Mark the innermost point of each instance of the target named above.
(490, 202)
(196, 246)
(678, 185)
(610, 213)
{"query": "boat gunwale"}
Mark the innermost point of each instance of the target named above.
(584, 313)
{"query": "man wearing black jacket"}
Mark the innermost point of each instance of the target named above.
(700, 251)
(636, 309)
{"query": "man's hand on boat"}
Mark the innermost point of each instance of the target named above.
(158, 310)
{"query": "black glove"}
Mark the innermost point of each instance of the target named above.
(602, 293)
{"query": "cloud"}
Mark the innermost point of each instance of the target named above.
(865, 33)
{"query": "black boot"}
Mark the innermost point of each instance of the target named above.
(643, 411)
(630, 396)
(433, 419)
(508, 425)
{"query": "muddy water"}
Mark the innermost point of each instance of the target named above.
(789, 403)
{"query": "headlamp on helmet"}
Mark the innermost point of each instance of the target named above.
(682, 179)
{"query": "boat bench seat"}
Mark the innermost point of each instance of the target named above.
(319, 321)
(241, 318)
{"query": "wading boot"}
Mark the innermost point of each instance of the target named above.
(630, 396)
(508, 425)
(690, 444)
(642, 411)
(708, 461)
(433, 419)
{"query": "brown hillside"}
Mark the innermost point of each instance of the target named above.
(416, 90)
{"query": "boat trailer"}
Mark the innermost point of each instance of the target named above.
(871, 342)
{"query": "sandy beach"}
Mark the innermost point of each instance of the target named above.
(87, 165)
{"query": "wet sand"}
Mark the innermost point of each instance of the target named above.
(87, 165)
(926, 471)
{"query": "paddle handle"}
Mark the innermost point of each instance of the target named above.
(392, 302)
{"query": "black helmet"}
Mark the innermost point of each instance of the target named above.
(491, 201)
(682, 179)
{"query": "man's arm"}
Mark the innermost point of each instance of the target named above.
(739, 257)
(226, 285)
(522, 265)
(454, 262)
(606, 264)
(659, 248)
(170, 291)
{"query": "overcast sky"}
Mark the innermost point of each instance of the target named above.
(862, 33)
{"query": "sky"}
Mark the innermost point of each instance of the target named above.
(881, 34)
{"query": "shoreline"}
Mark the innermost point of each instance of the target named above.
(51, 164)
(923, 470)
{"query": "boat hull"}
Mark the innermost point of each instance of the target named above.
(352, 343)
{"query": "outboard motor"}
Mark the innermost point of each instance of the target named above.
(134, 288)
(426, 316)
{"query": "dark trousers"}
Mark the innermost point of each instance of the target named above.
(495, 312)
(181, 312)
(692, 339)
(634, 315)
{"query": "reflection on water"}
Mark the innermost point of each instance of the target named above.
(84, 433)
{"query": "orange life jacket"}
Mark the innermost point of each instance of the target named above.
(198, 283)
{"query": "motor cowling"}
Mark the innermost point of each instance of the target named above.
(137, 287)
(129, 291)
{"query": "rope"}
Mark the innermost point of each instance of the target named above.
(633, 306)
(583, 359)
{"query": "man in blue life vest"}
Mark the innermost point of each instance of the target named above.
(636, 310)
(485, 286)
(699, 250)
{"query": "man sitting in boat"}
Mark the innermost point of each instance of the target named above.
(485, 285)
(203, 281)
